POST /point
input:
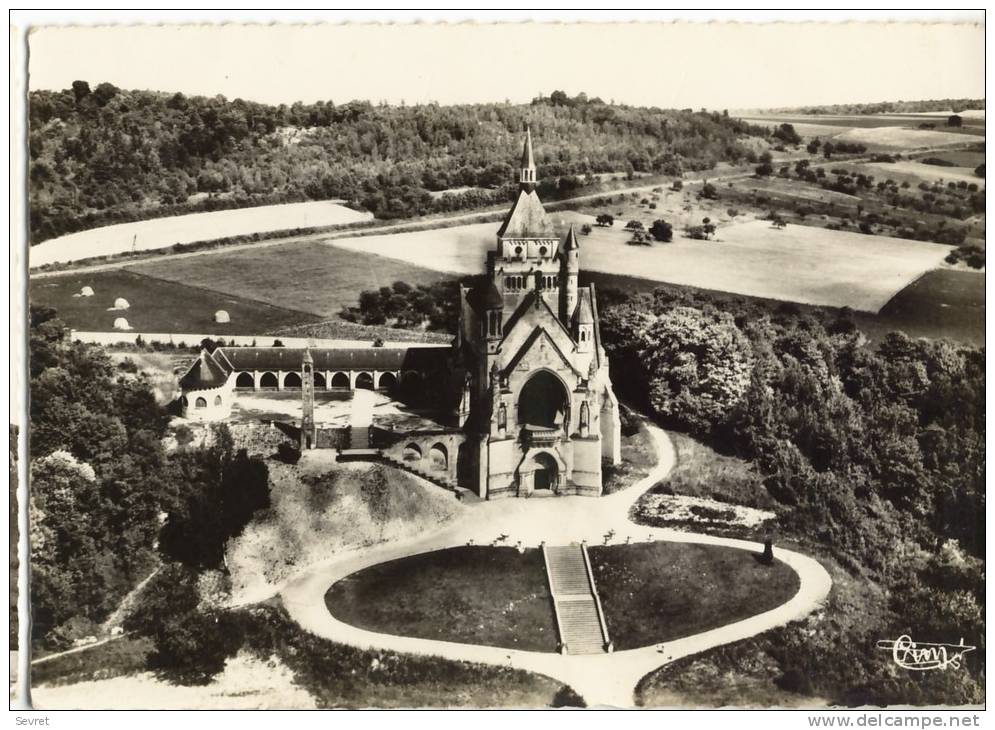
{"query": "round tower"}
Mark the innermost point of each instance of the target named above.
(569, 270)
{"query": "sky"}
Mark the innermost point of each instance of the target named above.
(672, 65)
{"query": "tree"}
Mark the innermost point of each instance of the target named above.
(709, 191)
(677, 185)
(634, 225)
(980, 170)
(662, 231)
(813, 146)
(81, 90)
(605, 220)
(955, 120)
(586, 229)
(698, 367)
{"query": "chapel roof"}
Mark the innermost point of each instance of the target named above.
(527, 218)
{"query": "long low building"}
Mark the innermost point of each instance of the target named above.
(212, 380)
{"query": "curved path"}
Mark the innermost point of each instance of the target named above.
(602, 679)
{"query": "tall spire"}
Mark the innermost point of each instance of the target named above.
(527, 177)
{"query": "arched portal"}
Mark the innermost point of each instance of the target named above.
(245, 380)
(438, 455)
(364, 381)
(387, 381)
(546, 472)
(340, 380)
(412, 452)
(292, 380)
(319, 380)
(268, 380)
(543, 401)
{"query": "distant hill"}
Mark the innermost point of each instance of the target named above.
(879, 107)
(105, 155)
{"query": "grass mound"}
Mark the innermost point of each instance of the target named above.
(655, 592)
(474, 595)
(320, 507)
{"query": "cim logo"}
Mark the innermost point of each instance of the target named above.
(922, 656)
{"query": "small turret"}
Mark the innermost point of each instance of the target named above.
(569, 270)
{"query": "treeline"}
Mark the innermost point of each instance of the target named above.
(105, 154)
(886, 107)
(108, 503)
(876, 455)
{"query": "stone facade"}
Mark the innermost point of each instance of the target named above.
(537, 402)
(524, 399)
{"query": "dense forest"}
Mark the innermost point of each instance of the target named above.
(876, 456)
(108, 503)
(106, 155)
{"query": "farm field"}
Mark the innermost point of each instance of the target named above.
(156, 305)
(163, 232)
(941, 303)
(875, 131)
(311, 277)
(918, 171)
(800, 264)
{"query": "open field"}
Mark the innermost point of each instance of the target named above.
(941, 303)
(163, 232)
(156, 305)
(661, 591)
(479, 595)
(312, 277)
(800, 264)
(918, 171)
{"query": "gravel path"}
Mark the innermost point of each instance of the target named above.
(602, 680)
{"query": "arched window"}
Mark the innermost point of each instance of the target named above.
(200, 403)
(319, 380)
(292, 380)
(364, 381)
(387, 381)
(412, 452)
(439, 457)
(217, 400)
(340, 380)
(268, 380)
(245, 380)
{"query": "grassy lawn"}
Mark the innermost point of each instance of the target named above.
(156, 305)
(473, 595)
(313, 277)
(113, 659)
(661, 591)
(703, 472)
(638, 458)
(941, 303)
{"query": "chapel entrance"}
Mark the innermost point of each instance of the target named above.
(545, 472)
(543, 401)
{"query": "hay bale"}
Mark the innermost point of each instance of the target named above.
(86, 291)
(221, 317)
(121, 303)
(121, 324)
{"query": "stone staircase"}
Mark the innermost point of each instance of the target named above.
(359, 438)
(575, 599)
(436, 478)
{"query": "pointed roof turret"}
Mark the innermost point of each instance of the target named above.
(527, 175)
(570, 242)
(528, 161)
